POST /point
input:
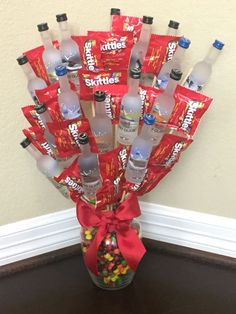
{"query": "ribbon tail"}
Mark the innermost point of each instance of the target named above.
(90, 256)
(131, 248)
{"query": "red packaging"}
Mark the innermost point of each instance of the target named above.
(66, 135)
(35, 135)
(90, 52)
(114, 94)
(89, 80)
(161, 49)
(148, 96)
(127, 23)
(188, 110)
(70, 177)
(115, 48)
(33, 117)
(152, 177)
(168, 151)
(112, 171)
(35, 59)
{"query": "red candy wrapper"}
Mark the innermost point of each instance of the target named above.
(112, 172)
(35, 135)
(161, 49)
(89, 80)
(167, 153)
(66, 135)
(148, 96)
(33, 117)
(114, 94)
(36, 61)
(70, 177)
(90, 52)
(115, 48)
(188, 110)
(127, 23)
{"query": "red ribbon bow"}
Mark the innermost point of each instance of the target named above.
(129, 243)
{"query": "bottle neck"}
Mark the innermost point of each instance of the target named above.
(65, 32)
(64, 83)
(179, 54)
(145, 131)
(33, 151)
(100, 108)
(145, 33)
(212, 55)
(171, 86)
(171, 31)
(46, 39)
(133, 86)
(29, 72)
(85, 148)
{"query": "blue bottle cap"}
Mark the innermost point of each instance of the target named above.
(61, 70)
(184, 42)
(218, 44)
(149, 119)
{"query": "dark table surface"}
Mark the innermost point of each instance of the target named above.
(164, 283)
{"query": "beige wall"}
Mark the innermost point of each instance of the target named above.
(204, 179)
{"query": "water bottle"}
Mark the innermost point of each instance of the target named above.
(69, 50)
(140, 152)
(68, 100)
(101, 124)
(34, 82)
(131, 106)
(162, 79)
(163, 106)
(51, 56)
(172, 28)
(89, 168)
(45, 117)
(48, 166)
(201, 72)
(139, 50)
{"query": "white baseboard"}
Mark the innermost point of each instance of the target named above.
(32, 237)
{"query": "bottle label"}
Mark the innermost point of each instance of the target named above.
(90, 185)
(192, 85)
(104, 143)
(136, 167)
(161, 82)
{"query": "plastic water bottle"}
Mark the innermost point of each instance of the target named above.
(69, 50)
(34, 82)
(45, 117)
(172, 28)
(89, 168)
(162, 79)
(68, 100)
(51, 56)
(140, 152)
(163, 106)
(101, 124)
(201, 72)
(131, 105)
(48, 166)
(139, 50)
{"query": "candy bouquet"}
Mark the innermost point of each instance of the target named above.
(110, 119)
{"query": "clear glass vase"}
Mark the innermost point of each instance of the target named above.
(113, 270)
